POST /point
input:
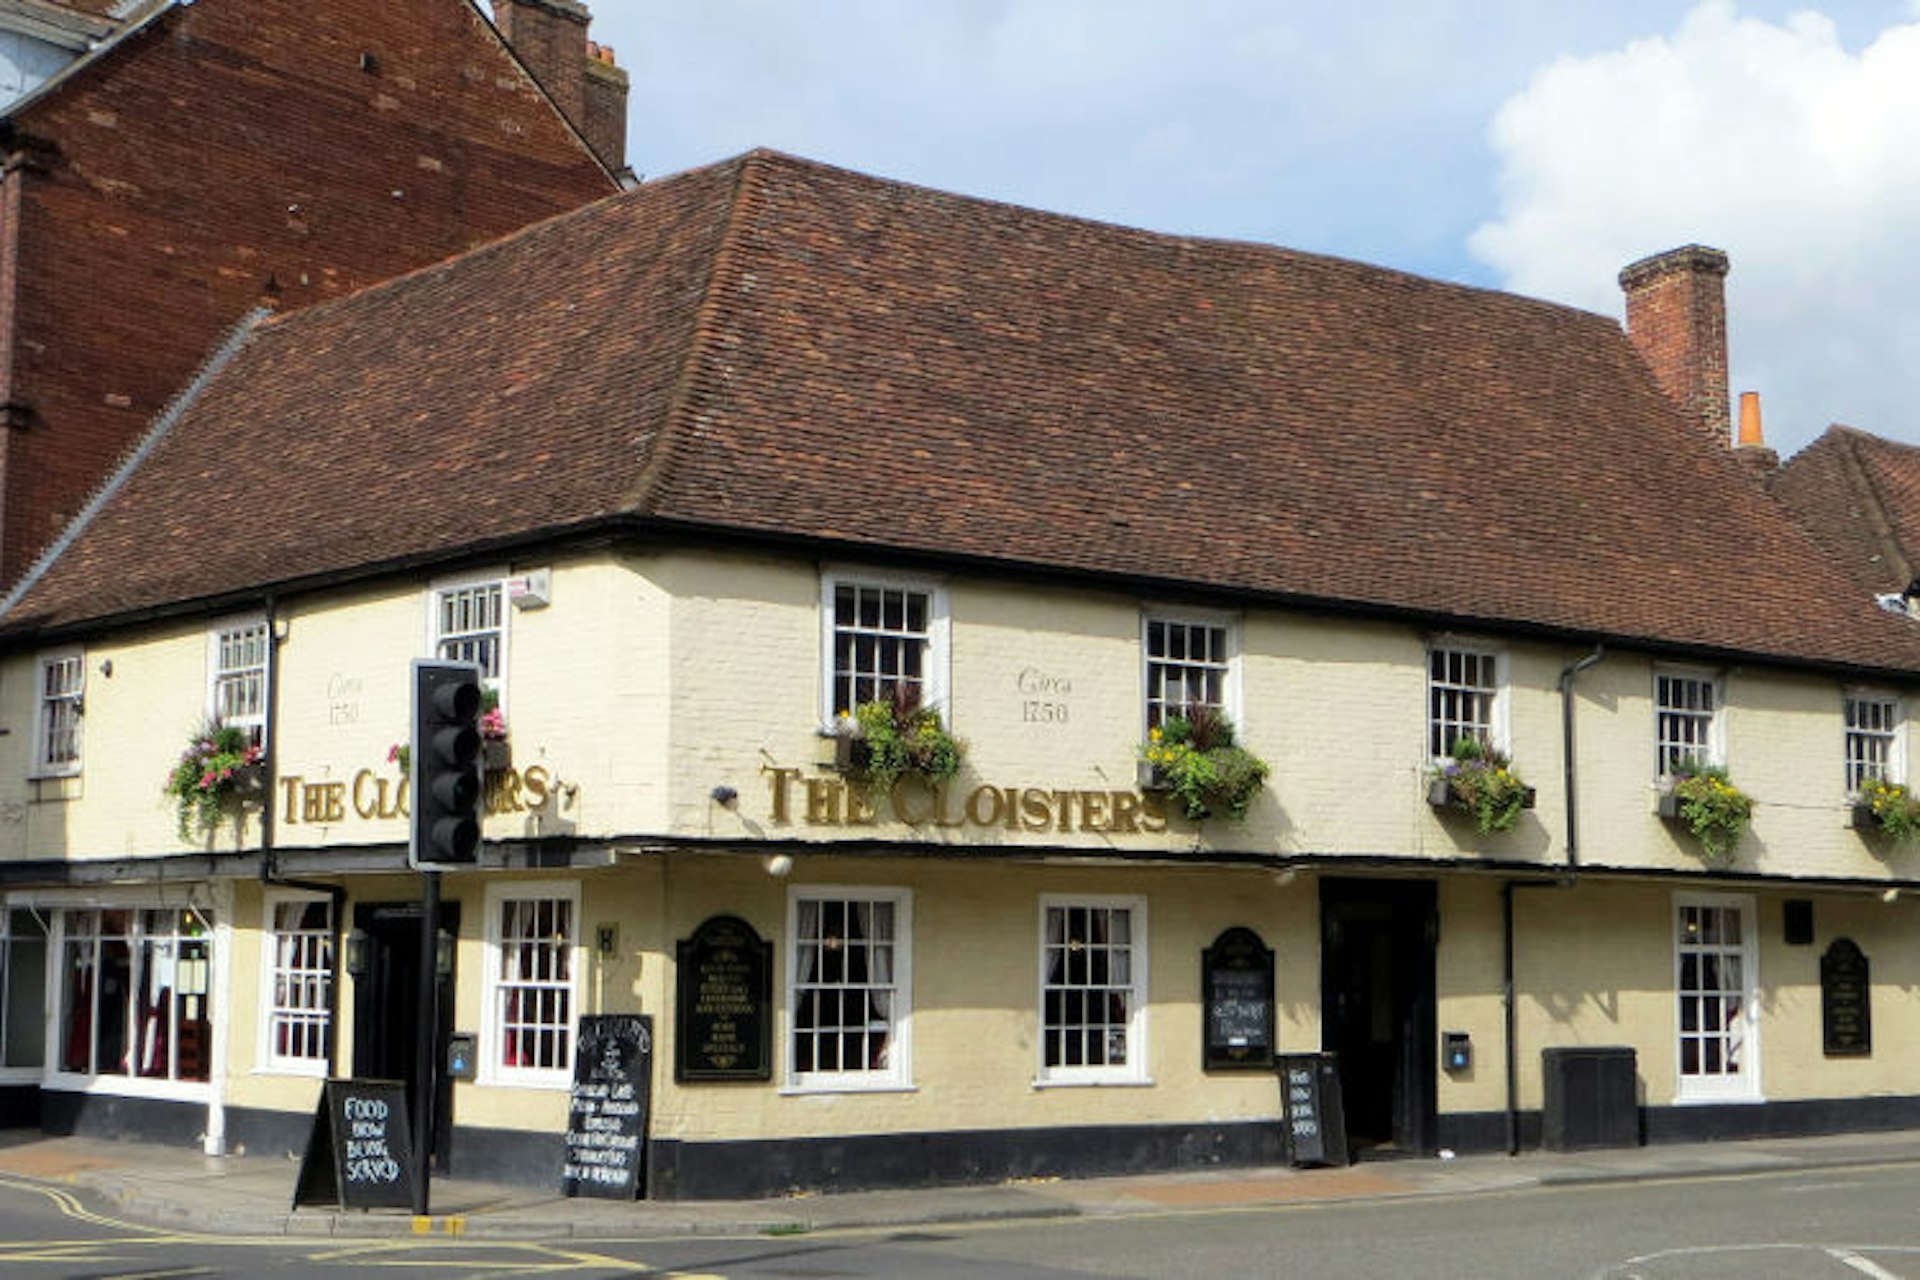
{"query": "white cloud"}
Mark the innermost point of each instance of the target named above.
(1770, 140)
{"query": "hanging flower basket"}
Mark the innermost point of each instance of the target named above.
(1195, 757)
(1703, 799)
(1482, 783)
(220, 768)
(892, 738)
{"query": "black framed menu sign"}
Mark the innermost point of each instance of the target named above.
(1237, 992)
(723, 1014)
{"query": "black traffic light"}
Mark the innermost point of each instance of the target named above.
(446, 787)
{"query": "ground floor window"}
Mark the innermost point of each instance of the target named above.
(134, 989)
(299, 984)
(1715, 984)
(23, 989)
(848, 999)
(531, 971)
(1093, 989)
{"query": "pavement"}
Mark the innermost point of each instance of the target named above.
(181, 1189)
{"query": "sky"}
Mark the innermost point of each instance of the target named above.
(1536, 146)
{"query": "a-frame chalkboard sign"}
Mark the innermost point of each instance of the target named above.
(360, 1152)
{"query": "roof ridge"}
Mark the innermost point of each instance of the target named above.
(654, 469)
(130, 462)
(1860, 478)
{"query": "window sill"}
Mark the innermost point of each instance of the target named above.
(818, 1090)
(1746, 1097)
(128, 1086)
(557, 1084)
(1086, 1082)
(291, 1070)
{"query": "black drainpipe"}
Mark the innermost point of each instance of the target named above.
(269, 860)
(1566, 881)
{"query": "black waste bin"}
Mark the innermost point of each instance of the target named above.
(1592, 1098)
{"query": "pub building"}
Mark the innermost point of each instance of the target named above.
(978, 693)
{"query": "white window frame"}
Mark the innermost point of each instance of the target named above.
(219, 674)
(1134, 1070)
(897, 1074)
(437, 637)
(494, 990)
(11, 991)
(934, 680)
(1228, 664)
(1715, 747)
(1494, 725)
(44, 766)
(1859, 707)
(273, 1062)
(1744, 1085)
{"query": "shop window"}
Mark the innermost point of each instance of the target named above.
(23, 989)
(298, 1018)
(1189, 664)
(135, 992)
(1873, 742)
(1687, 721)
(1093, 990)
(63, 679)
(1715, 984)
(532, 998)
(885, 639)
(1463, 698)
(469, 624)
(849, 954)
(238, 654)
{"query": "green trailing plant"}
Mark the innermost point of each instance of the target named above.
(1196, 757)
(1714, 810)
(209, 774)
(1482, 783)
(897, 736)
(1895, 809)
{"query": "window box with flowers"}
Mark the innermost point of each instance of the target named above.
(1888, 808)
(1704, 800)
(1194, 756)
(882, 741)
(221, 768)
(1481, 782)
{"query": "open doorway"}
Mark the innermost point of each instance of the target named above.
(1377, 1009)
(386, 1004)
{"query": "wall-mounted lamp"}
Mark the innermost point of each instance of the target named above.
(724, 794)
(106, 667)
(779, 865)
(443, 954)
(356, 953)
(1890, 896)
(1284, 877)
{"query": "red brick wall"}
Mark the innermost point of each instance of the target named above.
(1677, 318)
(237, 149)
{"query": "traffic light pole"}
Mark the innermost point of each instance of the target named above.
(425, 1068)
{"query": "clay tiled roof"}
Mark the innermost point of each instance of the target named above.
(1859, 496)
(777, 348)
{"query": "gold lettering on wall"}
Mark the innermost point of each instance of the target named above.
(371, 796)
(837, 802)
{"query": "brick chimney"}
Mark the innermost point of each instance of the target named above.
(550, 39)
(1677, 317)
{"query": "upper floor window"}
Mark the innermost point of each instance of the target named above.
(63, 681)
(849, 957)
(532, 976)
(886, 639)
(1873, 744)
(1189, 664)
(237, 655)
(1463, 697)
(1687, 721)
(469, 624)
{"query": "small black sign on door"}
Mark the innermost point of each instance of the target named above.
(360, 1152)
(606, 1154)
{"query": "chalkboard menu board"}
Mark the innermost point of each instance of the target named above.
(360, 1152)
(1846, 1001)
(724, 1014)
(1237, 976)
(607, 1119)
(1316, 1117)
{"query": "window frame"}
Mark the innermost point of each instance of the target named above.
(897, 1075)
(1212, 619)
(935, 683)
(1134, 1070)
(11, 990)
(1743, 1086)
(255, 724)
(43, 702)
(491, 1070)
(495, 580)
(55, 1073)
(1497, 718)
(1716, 734)
(1894, 735)
(269, 1060)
